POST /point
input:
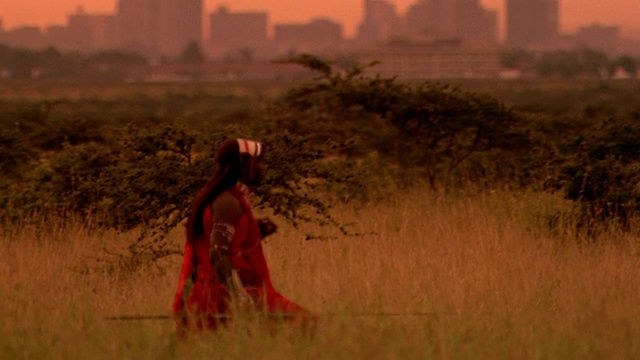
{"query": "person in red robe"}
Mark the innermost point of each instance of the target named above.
(223, 256)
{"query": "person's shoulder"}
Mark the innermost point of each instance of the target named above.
(226, 203)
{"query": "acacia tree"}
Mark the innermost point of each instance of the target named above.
(431, 127)
(145, 180)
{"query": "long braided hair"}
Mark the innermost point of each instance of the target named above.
(226, 175)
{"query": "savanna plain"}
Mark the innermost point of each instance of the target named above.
(434, 274)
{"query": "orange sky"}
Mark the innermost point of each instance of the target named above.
(349, 12)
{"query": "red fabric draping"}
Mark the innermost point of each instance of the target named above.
(200, 293)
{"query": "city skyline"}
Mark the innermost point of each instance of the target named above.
(573, 13)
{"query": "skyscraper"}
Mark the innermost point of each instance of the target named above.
(137, 25)
(79, 30)
(179, 25)
(532, 22)
(431, 17)
(473, 21)
(380, 22)
(233, 32)
(159, 27)
(465, 19)
(419, 20)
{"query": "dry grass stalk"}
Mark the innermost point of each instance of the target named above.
(498, 285)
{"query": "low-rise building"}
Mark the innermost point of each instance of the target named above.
(599, 37)
(222, 71)
(437, 59)
(29, 37)
(320, 36)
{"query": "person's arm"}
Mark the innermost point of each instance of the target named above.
(226, 213)
(266, 226)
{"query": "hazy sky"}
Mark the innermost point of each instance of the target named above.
(349, 12)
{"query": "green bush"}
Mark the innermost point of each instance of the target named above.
(147, 177)
(430, 128)
(136, 162)
(600, 168)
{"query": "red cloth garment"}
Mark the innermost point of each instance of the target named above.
(247, 257)
(207, 296)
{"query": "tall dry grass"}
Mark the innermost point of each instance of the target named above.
(487, 277)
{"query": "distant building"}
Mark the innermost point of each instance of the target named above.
(58, 37)
(419, 20)
(159, 27)
(233, 33)
(224, 71)
(103, 28)
(319, 36)
(473, 21)
(29, 37)
(137, 25)
(532, 23)
(444, 16)
(447, 19)
(179, 25)
(79, 30)
(431, 18)
(84, 33)
(599, 37)
(453, 59)
(381, 22)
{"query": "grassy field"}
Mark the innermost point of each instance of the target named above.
(494, 282)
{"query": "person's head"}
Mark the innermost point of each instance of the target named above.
(251, 153)
(239, 160)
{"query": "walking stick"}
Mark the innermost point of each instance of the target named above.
(271, 316)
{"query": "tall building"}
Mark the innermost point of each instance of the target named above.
(102, 28)
(179, 25)
(85, 32)
(473, 21)
(445, 14)
(466, 19)
(137, 24)
(159, 27)
(79, 30)
(532, 23)
(434, 18)
(419, 20)
(233, 32)
(380, 23)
